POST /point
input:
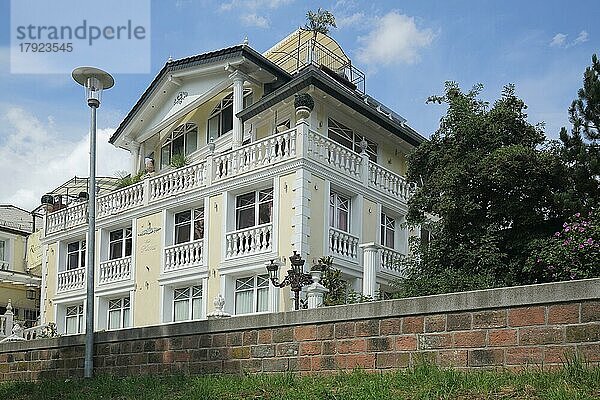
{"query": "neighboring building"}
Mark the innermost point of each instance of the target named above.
(260, 182)
(20, 263)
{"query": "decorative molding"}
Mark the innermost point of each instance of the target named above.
(180, 97)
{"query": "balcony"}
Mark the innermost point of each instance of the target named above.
(184, 255)
(115, 270)
(390, 261)
(71, 280)
(342, 244)
(262, 155)
(249, 241)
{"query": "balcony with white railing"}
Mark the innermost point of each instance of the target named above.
(4, 266)
(248, 241)
(272, 151)
(117, 270)
(184, 255)
(390, 260)
(343, 244)
(73, 279)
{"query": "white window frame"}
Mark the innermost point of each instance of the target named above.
(196, 216)
(127, 238)
(261, 198)
(251, 284)
(185, 131)
(77, 312)
(335, 207)
(387, 225)
(218, 113)
(119, 306)
(194, 292)
(81, 251)
(347, 137)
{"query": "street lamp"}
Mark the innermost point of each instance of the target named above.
(94, 80)
(295, 278)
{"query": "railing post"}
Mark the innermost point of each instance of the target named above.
(209, 163)
(302, 128)
(364, 168)
(146, 190)
(9, 319)
(371, 260)
(316, 291)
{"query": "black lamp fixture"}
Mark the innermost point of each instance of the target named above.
(295, 278)
(30, 293)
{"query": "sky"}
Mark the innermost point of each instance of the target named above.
(407, 50)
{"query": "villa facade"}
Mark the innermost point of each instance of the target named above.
(235, 176)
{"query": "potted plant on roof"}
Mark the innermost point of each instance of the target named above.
(304, 104)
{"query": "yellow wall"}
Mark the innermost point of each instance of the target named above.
(34, 253)
(215, 229)
(286, 230)
(393, 158)
(148, 252)
(318, 203)
(17, 296)
(370, 221)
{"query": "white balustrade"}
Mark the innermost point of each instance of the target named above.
(71, 280)
(120, 200)
(115, 270)
(256, 155)
(253, 240)
(184, 255)
(389, 182)
(343, 244)
(4, 266)
(177, 181)
(390, 260)
(334, 155)
(66, 218)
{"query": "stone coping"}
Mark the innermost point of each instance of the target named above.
(518, 296)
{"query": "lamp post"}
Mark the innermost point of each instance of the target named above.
(295, 278)
(94, 80)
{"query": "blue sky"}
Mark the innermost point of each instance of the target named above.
(407, 50)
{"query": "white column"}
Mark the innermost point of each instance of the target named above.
(370, 267)
(316, 291)
(238, 104)
(135, 157)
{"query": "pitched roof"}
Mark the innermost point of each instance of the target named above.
(13, 218)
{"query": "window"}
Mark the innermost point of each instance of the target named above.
(221, 119)
(348, 138)
(74, 319)
(119, 311)
(119, 243)
(387, 231)
(254, 208)
(252, 294)
(3, 250)
(76, 255)
(188, 229)
(187, 303)
(183, 140)
(339, 211)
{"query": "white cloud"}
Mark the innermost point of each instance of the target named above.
(395, 39)
(34, 159)
(253, 4)
(560, 40)
(358, 19)
(255, 20)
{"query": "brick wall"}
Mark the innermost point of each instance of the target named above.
(509, 328)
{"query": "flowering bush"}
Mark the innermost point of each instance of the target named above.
(572, 253)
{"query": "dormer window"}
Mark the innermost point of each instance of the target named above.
(183, 140)
(221, 119)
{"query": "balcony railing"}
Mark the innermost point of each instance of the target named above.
(390, 260)
(248, 241)
(4, 266)
(115, 270)
(273, 150)
(343, 244)
(71, 280)
(184, 255)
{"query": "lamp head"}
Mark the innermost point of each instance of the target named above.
(94, 80)
(297, 262)
(273, 269)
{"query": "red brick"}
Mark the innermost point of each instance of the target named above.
(281, 335)
(563, 314)
(583, 333)
(219, 340)
(323, 363)
(406, 342)
(306, 332)
(250, 337)
(590, 352)
(454, 358)
(325, 331)
(310, 348)
(392, 360)
(351, 361)
(435, 323)
(541, 335)
(367, 328)
(304, 363)
(459, 322)
(526, 316)
(525, 355)
(234, 339)
(558, 354)
(489, 319)
(377, 344)
(435, 341)
(412, 325)
(502, 337)
(590, 311)
(486, 357)
(344, 330)
(391, 326)
(469, 339)
(329, 347)
(351, 346)
(265, 336)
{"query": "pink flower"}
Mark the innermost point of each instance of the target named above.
(580, 246)
(590, 241)
(577, 215)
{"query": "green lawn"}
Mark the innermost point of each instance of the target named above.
(423, 382)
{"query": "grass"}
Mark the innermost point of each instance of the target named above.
(573, 382)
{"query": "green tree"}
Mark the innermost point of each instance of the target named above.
(319, 21)
(489, 178)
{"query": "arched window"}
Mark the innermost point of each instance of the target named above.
(220, 120)
(183, 140)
